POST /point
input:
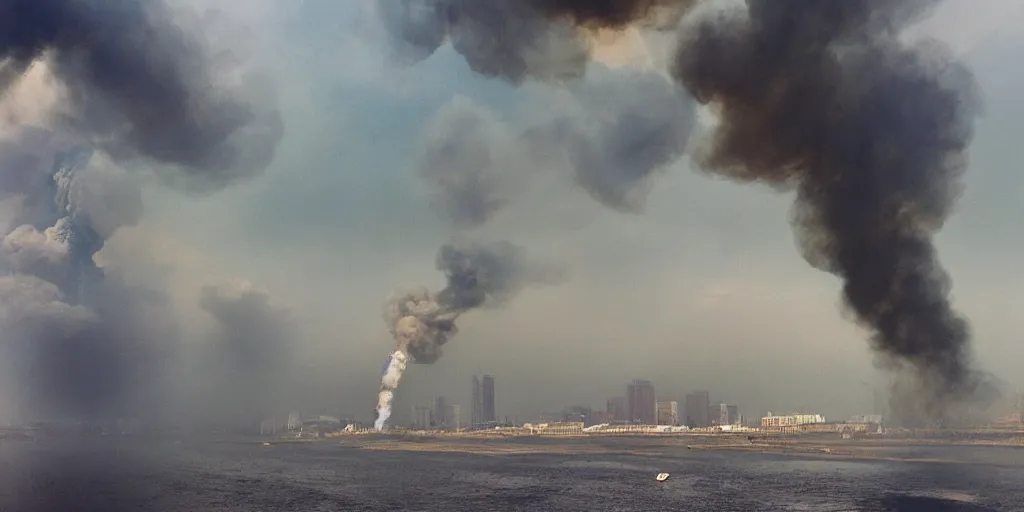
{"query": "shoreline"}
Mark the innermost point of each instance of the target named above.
(882, 450)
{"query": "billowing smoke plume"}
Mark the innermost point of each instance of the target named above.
(77, 341)
(618, 134)
(478, 275)
(125, 86)
(463, 163)
(872, 133)
(820, 97)
(135, 84)
(611, 136)
(251, 350)
(517, 39)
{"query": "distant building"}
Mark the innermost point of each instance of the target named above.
(579, 413)
(440, 412)
(791, 420)
(641, 402)
(422, 417)
(668, 413)
(483, 400)
(617, 409)
(697, 409)
(728, 414)
(453, 417)
(865, 418)
(294, 420)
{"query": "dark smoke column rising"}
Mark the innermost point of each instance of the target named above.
(872, 132)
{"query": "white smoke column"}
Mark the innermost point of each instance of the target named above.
(422, 323)
(388, 384)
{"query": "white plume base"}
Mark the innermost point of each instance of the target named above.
(388, 385)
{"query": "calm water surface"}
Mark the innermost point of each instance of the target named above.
(120, 475)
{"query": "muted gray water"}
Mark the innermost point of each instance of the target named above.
(118, 475)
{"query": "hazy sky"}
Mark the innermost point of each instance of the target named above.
(703, 290)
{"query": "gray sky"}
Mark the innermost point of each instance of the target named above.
(703, 290)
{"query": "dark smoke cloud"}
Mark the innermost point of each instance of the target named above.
(818, 97)
(488, 274)
(462, 163)
(251, 352)
(77, 340)
(615, 14)
(872, 133)
(612, 136)
(518, 39)
(621, 132)
(499, 38)
(138, 85)
(478, 275)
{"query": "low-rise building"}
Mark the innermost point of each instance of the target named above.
(791, 420)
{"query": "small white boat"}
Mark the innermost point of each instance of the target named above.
(661, 477)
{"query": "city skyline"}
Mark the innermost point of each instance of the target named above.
(640, 401)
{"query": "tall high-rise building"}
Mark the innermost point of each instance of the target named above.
(422, 417)
(617, 409)
(668, 413)
(728, 414)
(441, 412)
(697, 409)
(641, 402)
(483, 400)
(489, 410)
(454, 417)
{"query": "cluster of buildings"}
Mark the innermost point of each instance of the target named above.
(444, 416)
(640, 406)
(440, 416)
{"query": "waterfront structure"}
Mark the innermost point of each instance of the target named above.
(668, 413)
(641, 403)
(697, 409)
(865, 418)
(791, 420)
